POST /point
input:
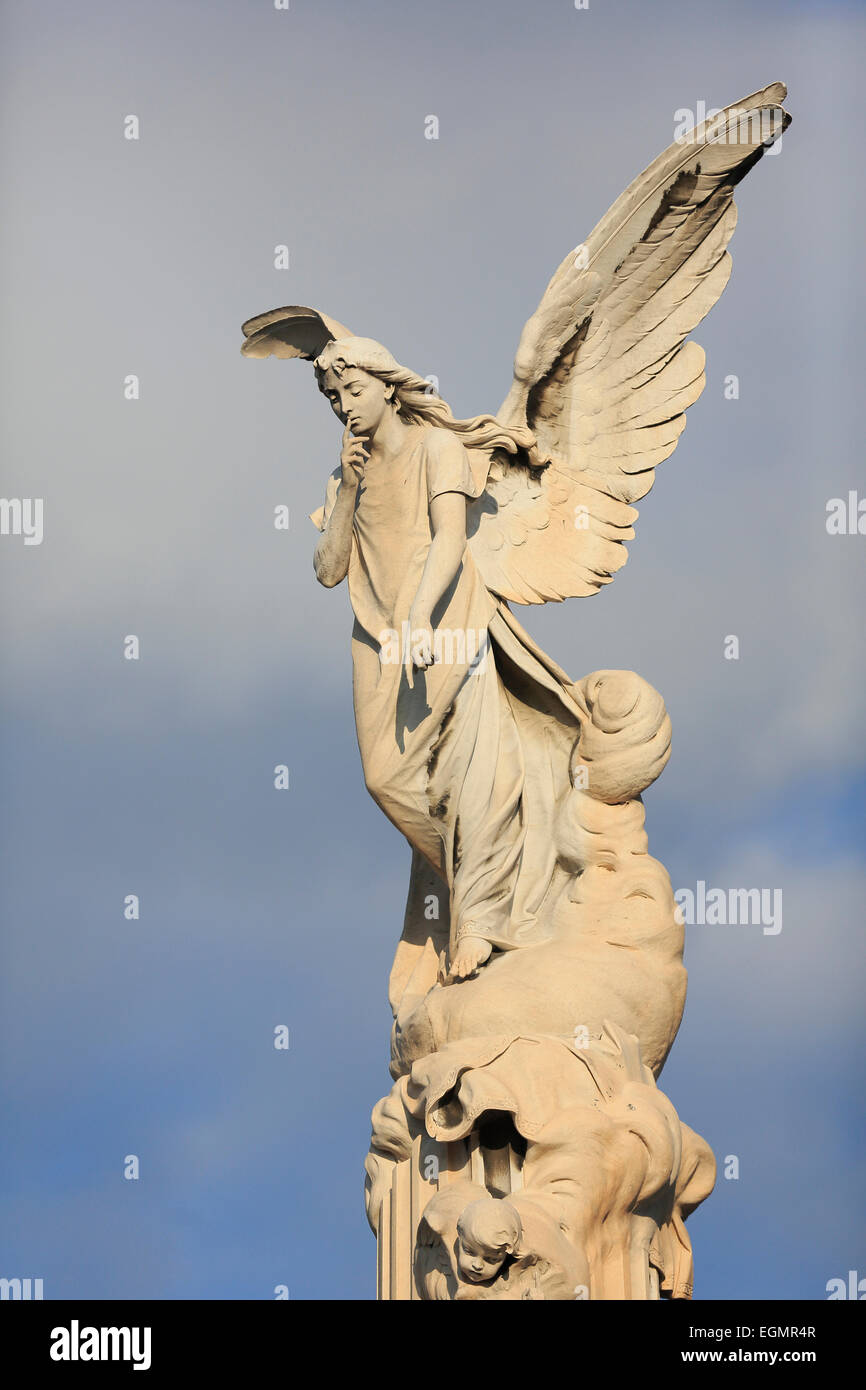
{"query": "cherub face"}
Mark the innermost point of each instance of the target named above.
(358, 399)
(488, 1231)
(477, 1263)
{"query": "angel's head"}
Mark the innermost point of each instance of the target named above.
(488, 1231)
(363, 382)
(354, 374)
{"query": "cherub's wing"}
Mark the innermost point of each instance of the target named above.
(603, 374)
(443, 1210)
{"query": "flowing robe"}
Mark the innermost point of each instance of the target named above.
(471, 758)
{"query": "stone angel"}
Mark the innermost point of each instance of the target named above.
(465, 727)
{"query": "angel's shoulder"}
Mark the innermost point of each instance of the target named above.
(439, 442)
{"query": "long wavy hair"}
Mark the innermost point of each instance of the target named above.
(417, 403)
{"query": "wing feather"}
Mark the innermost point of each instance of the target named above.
(603, 373)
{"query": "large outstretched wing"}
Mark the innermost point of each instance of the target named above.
(603, 374)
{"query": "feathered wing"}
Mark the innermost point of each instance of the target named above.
(603, 374)
(292, 331)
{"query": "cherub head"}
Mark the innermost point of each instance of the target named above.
(488, 1231)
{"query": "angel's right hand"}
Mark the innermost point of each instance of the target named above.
(353, 456)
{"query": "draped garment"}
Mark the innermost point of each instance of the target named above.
(469, 758)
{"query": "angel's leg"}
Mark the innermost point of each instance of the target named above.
(424, 938)
(476, 788)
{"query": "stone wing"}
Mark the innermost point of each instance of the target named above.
(604, 374)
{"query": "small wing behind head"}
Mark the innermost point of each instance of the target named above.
(293, 331)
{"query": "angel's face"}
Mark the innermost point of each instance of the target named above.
(358, 399)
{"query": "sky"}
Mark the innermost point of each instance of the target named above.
(305, 127)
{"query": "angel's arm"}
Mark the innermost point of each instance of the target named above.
(449, 483)
(331, 557)
(445, 556)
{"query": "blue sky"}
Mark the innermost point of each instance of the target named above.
(155, 777)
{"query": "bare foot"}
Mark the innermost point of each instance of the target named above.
(471, 952)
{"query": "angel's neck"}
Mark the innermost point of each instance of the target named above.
(390, 438)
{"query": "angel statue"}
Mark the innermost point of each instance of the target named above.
(541, 950)
(465, 726)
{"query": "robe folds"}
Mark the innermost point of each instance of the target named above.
(469, 758)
